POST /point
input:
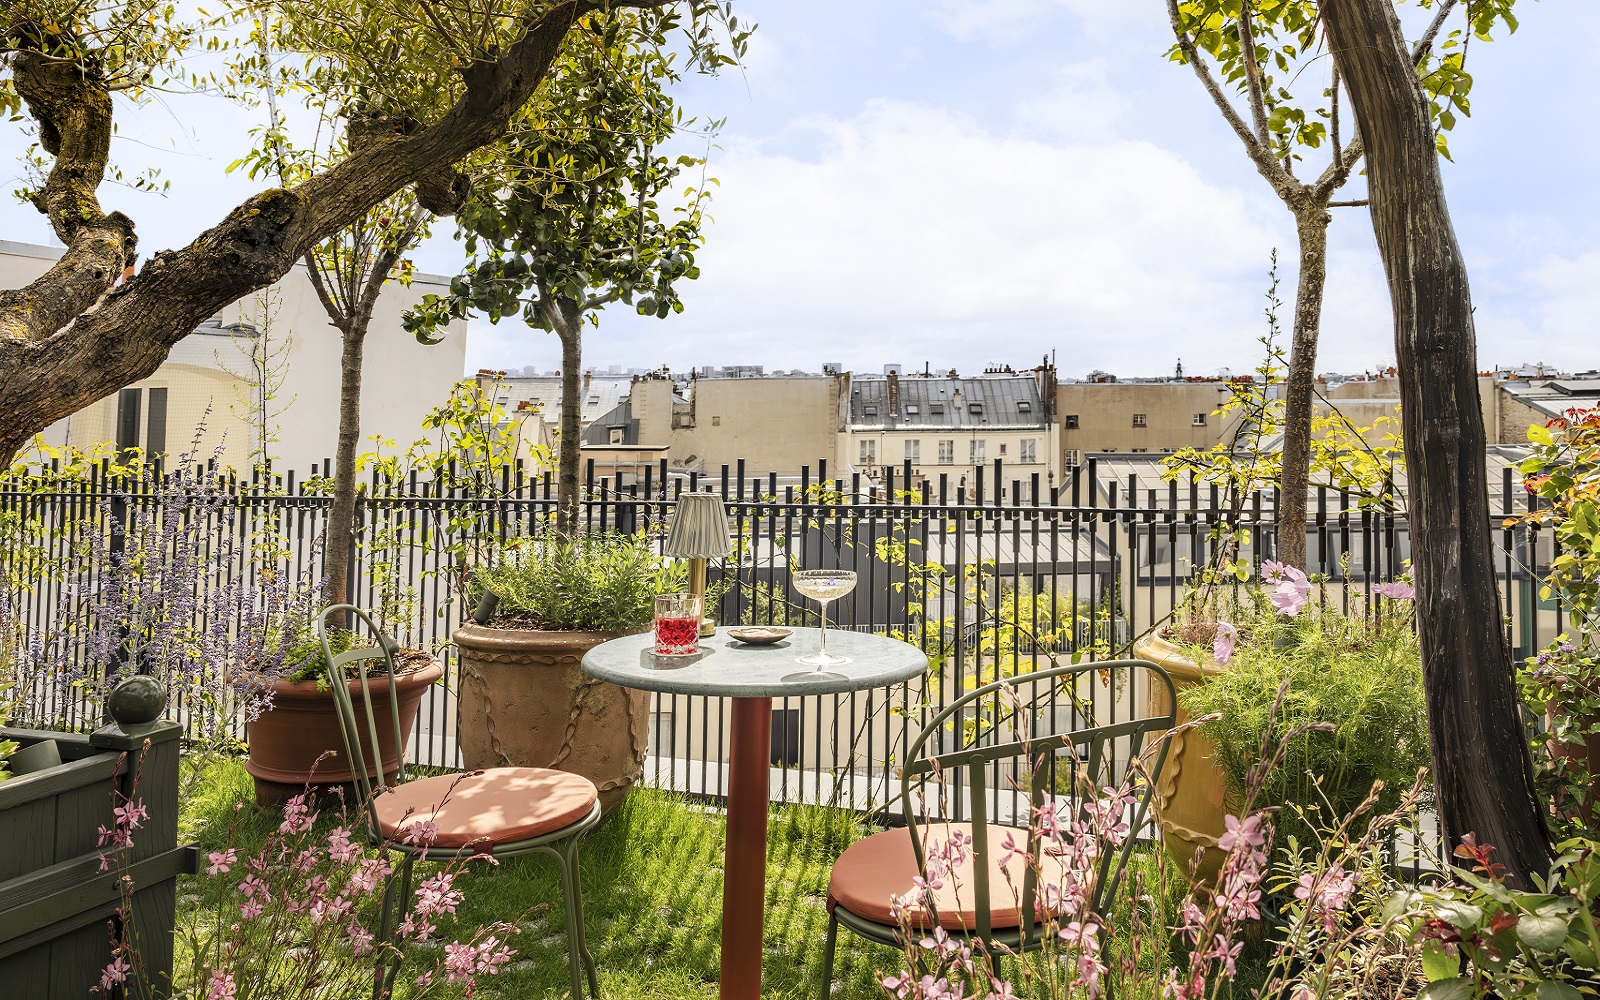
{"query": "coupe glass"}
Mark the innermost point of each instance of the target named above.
(823, 586)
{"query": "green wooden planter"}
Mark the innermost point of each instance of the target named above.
(55, 902)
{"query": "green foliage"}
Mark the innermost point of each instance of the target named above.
(600, 583)
(1359, 676)
(573, 221)
(1539, 945)
(1562, 683)
(1285, 39)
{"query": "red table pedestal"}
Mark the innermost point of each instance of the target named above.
(744, 890)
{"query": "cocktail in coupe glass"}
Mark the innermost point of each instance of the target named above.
(823, 586)
(677, 624)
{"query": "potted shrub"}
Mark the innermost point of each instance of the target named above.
(290, 741)
(525, 700)
(1354, 699)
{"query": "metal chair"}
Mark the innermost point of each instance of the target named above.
(873, 869)
(502, 812)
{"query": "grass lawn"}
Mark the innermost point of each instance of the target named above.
(652, 882)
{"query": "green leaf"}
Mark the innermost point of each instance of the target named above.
(1460, 988)
(1539, 434)
(1542, 933)
(1463, 916)
(1550, 989)
(1438, 964)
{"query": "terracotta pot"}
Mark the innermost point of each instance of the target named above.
(302, 725)
(526, 702)
(1189, 797)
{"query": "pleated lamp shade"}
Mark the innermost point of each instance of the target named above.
(699, 528)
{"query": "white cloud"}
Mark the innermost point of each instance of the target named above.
(915, 234)
(1552, 320)
(1007, 21)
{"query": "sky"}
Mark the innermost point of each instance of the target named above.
(970, 183)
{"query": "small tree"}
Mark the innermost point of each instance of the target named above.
(1250, 41)
(575, 223)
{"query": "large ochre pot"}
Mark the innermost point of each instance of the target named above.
(526, 702)
(1190, 795)
(287, 741)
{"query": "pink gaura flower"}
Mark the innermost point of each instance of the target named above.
(1248, 831)
(1220, 951)
(1223, 645)
(221, 986)
(297, 816)
(221, 861)
(340, 848)
(115, 974)
(1397, 591)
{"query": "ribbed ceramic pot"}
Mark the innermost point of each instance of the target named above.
(526, 702)
(1190, 796)
(302, 725)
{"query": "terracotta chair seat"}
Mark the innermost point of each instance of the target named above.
(875, 868)
(484, 809)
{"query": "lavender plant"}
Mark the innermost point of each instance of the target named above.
(171, 587)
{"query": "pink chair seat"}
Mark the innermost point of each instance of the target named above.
(875, 868)
(485, 809)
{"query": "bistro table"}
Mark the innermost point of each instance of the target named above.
(752, 676)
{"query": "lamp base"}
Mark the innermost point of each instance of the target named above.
(708, 626)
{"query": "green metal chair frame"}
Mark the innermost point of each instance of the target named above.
(560, 844)
(1039, 750)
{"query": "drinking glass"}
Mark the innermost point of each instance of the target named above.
(823, 586)
(677, 624)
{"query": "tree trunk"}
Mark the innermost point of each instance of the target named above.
(570, 329)
(340, 556)
(1311, 225)
(1482, 770)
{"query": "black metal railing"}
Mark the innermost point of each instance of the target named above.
(943, 561)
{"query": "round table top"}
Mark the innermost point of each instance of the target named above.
(727, 668)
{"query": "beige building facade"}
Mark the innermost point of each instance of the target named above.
(213, 377)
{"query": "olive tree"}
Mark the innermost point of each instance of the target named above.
(433, 82)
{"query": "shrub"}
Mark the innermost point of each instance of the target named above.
(1357, 680)
(602, 582)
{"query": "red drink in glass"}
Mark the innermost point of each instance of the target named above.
(677, 636)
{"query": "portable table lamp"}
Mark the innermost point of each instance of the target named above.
(699, 531)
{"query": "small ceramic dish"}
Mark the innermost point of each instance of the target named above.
(759, 635)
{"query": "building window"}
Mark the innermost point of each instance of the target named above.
(869, 411)
(1026, 453)
(936, 409)
(947, 453)
(976, 409)
(913, 450)
(716, 421)
(1024, 406)
(1070, 421)
(911, 409)
(616, 435)
(1199, 419)
(1138, 451)
(1138, 420)
(1002, 449)
(869, 451)
(975, 452)
(1072, 458)
(594, 400)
